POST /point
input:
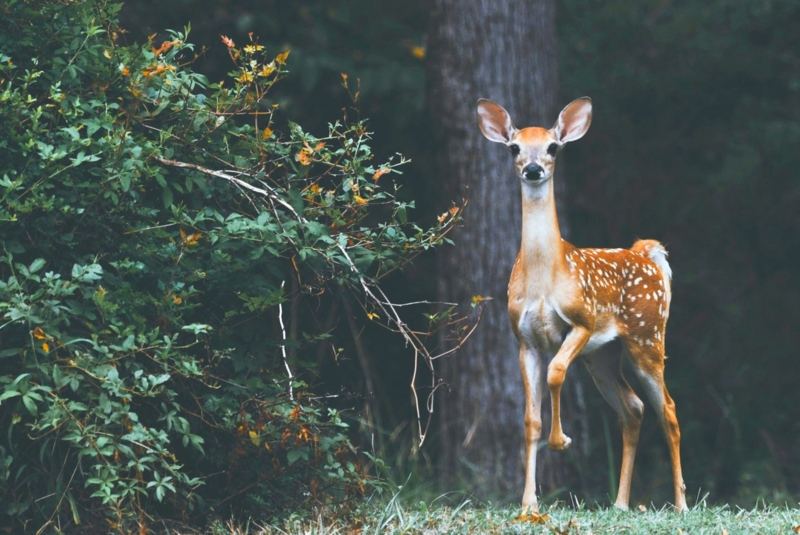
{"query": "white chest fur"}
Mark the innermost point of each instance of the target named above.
(540, 325)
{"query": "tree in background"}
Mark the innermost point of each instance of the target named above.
(505, 51)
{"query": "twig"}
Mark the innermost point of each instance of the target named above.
(283, 345)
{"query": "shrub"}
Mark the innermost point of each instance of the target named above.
(153, 226)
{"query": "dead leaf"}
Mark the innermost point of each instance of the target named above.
(533, 518)
(642, 508)
(227, 41)
(477, 299)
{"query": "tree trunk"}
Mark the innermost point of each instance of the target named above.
(504, 50)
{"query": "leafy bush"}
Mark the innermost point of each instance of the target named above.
(153, 226)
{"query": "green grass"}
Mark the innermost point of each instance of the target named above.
(422, 518)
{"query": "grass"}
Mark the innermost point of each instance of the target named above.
(465, 517)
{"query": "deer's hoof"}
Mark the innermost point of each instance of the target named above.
(559, 443)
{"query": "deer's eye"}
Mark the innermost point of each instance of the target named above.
(514, 148)
(552, 149)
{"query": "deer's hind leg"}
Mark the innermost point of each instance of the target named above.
(605, 367)
(648, 361)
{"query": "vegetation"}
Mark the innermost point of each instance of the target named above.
(467, 517)
(197, 245)
(154, 226)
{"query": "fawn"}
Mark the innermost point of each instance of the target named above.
(565, 301)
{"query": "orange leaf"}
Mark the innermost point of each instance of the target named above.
(533, 518)
(379, 173)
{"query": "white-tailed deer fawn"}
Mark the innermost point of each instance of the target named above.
(564, 301)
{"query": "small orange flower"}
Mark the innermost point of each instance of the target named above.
(46, 347)
(418, 52)
(303, 435)
(245, 77)
(267, 69)
(267, 133)
(281, 58)
(361, 201)
(190, 240)
(155, 70)
(125, 71)
(379, 173)
(253, 48)
(304, 156)
(164, 48)
(39, 333)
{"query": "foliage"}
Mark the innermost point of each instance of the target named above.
(154, 224)
(403, 516)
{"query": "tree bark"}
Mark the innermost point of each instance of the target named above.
(504, 50)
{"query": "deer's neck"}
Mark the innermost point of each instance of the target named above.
(541, 248)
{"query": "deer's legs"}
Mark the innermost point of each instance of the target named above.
(606, 371)
(556, 373)
(649, 364)
(531, 366)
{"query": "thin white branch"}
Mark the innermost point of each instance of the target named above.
(283, 345)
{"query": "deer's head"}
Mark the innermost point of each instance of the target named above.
(535, 148)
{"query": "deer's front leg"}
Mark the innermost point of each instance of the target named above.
(531, 365)
(556, 373)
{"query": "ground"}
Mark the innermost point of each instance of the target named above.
(468, 519)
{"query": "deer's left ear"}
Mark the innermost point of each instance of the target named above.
(574, 120)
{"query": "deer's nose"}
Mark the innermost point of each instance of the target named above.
(533, 171)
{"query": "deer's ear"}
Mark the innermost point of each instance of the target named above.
(494, 121)
(574, 120)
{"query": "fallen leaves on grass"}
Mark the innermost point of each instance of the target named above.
(533, 518)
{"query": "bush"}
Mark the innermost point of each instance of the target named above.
(153, 226)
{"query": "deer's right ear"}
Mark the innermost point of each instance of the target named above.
(495, 122)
